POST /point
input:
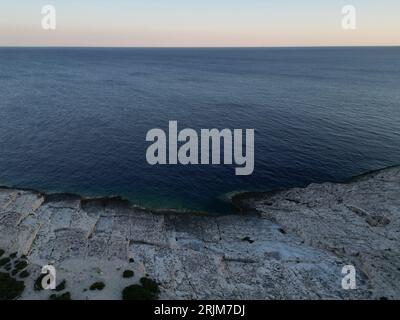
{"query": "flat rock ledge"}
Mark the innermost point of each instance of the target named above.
(289, 244)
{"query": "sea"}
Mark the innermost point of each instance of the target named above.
(74, 120)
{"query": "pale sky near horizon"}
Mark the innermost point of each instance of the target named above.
(190, 23)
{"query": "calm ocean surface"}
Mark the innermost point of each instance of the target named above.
(75, 120)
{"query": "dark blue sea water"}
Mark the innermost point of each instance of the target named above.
(75, 120)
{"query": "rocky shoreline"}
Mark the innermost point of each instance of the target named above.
(289, 244)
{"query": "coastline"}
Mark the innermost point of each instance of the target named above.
(109, 200)
(288, 244)
(240, 199)
(237, 198)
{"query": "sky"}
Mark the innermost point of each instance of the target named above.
(201, 23)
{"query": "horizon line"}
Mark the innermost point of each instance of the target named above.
(201, 47)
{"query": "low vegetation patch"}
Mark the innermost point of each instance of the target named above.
(20, 265)
(10, 288)
(64, 296)
(13, 255)
(128, 274)
(148, 290)
(38, 283)
(24, 274)
(97, 286)
(150, 285)
(14, 272)
(4, 261)
(61, 286)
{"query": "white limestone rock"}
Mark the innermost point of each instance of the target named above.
(289, 245)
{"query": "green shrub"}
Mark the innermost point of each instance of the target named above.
(4, 261)
(10, 288)
(13, 255)
(64, 296)
(1, 252)
(38, 283)
(20, 265)
(24, 274)
(137, 292)
(61, 286)
(148, 290)
(150, 285)
(128, 274)
(97, 286)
